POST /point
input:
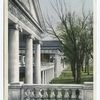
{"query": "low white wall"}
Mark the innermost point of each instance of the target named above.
(20, 92)
(88, 91)
(49, 75)
(48, 71)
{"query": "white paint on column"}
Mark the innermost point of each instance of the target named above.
(58, 67)
(45, 78)
(13, 52)
(42, 77)
(55, 66)
(37, 69)
(29, 61)
(22, 60)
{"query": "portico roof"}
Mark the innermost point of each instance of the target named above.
(51, 45)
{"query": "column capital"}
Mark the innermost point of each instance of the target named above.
(30, 36)
(15, 26)
(37, 41)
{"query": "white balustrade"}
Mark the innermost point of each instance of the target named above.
(47, 72)
(54, 91)
(51, 92)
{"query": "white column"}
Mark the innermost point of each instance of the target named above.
(29, 61)
(45, 81)
(43, 77)
(56, 66)
(37, 69)
(22, 60)
(13, 53)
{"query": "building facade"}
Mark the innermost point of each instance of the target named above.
(24, 25)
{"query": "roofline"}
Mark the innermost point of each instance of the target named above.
(28, 14)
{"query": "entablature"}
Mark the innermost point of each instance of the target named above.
(18, 10)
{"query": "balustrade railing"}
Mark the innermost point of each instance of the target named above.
(52, 92)
(47, 64)
(47, 68)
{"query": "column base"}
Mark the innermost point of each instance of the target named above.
(14, 91)
(16, 83)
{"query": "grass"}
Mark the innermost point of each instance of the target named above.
(66, 77)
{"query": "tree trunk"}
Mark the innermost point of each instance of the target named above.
(85, 69)
(73, 71)
(82, 69)
(78, 74)
(87, 64)
(88, 68)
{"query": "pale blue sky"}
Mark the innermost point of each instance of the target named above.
(72, 5)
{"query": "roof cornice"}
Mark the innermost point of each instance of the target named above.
(26, 12)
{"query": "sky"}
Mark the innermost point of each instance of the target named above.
(72, 5)
(75, 5)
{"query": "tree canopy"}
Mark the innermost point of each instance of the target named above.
(75, 33)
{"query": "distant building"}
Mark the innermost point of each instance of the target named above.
(51, 61)
(52, 53)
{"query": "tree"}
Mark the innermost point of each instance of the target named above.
(73, 32)
(89, 43)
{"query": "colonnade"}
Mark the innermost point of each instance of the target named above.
(13, 54)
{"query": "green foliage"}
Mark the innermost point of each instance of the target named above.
(75, 33)
(67, 78)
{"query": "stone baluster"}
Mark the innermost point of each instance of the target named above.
(44, 94)
(38, 94)
(77, 92)
(81, 94)
(63, 93)
(32, 96)
(52, 96)
(59, 94)
(28, 94)
(55, 93)
(73, 93)
(66, 94)
(70, 94)
(48, 93)
(13, 53)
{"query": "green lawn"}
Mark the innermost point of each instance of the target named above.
(66, 77)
